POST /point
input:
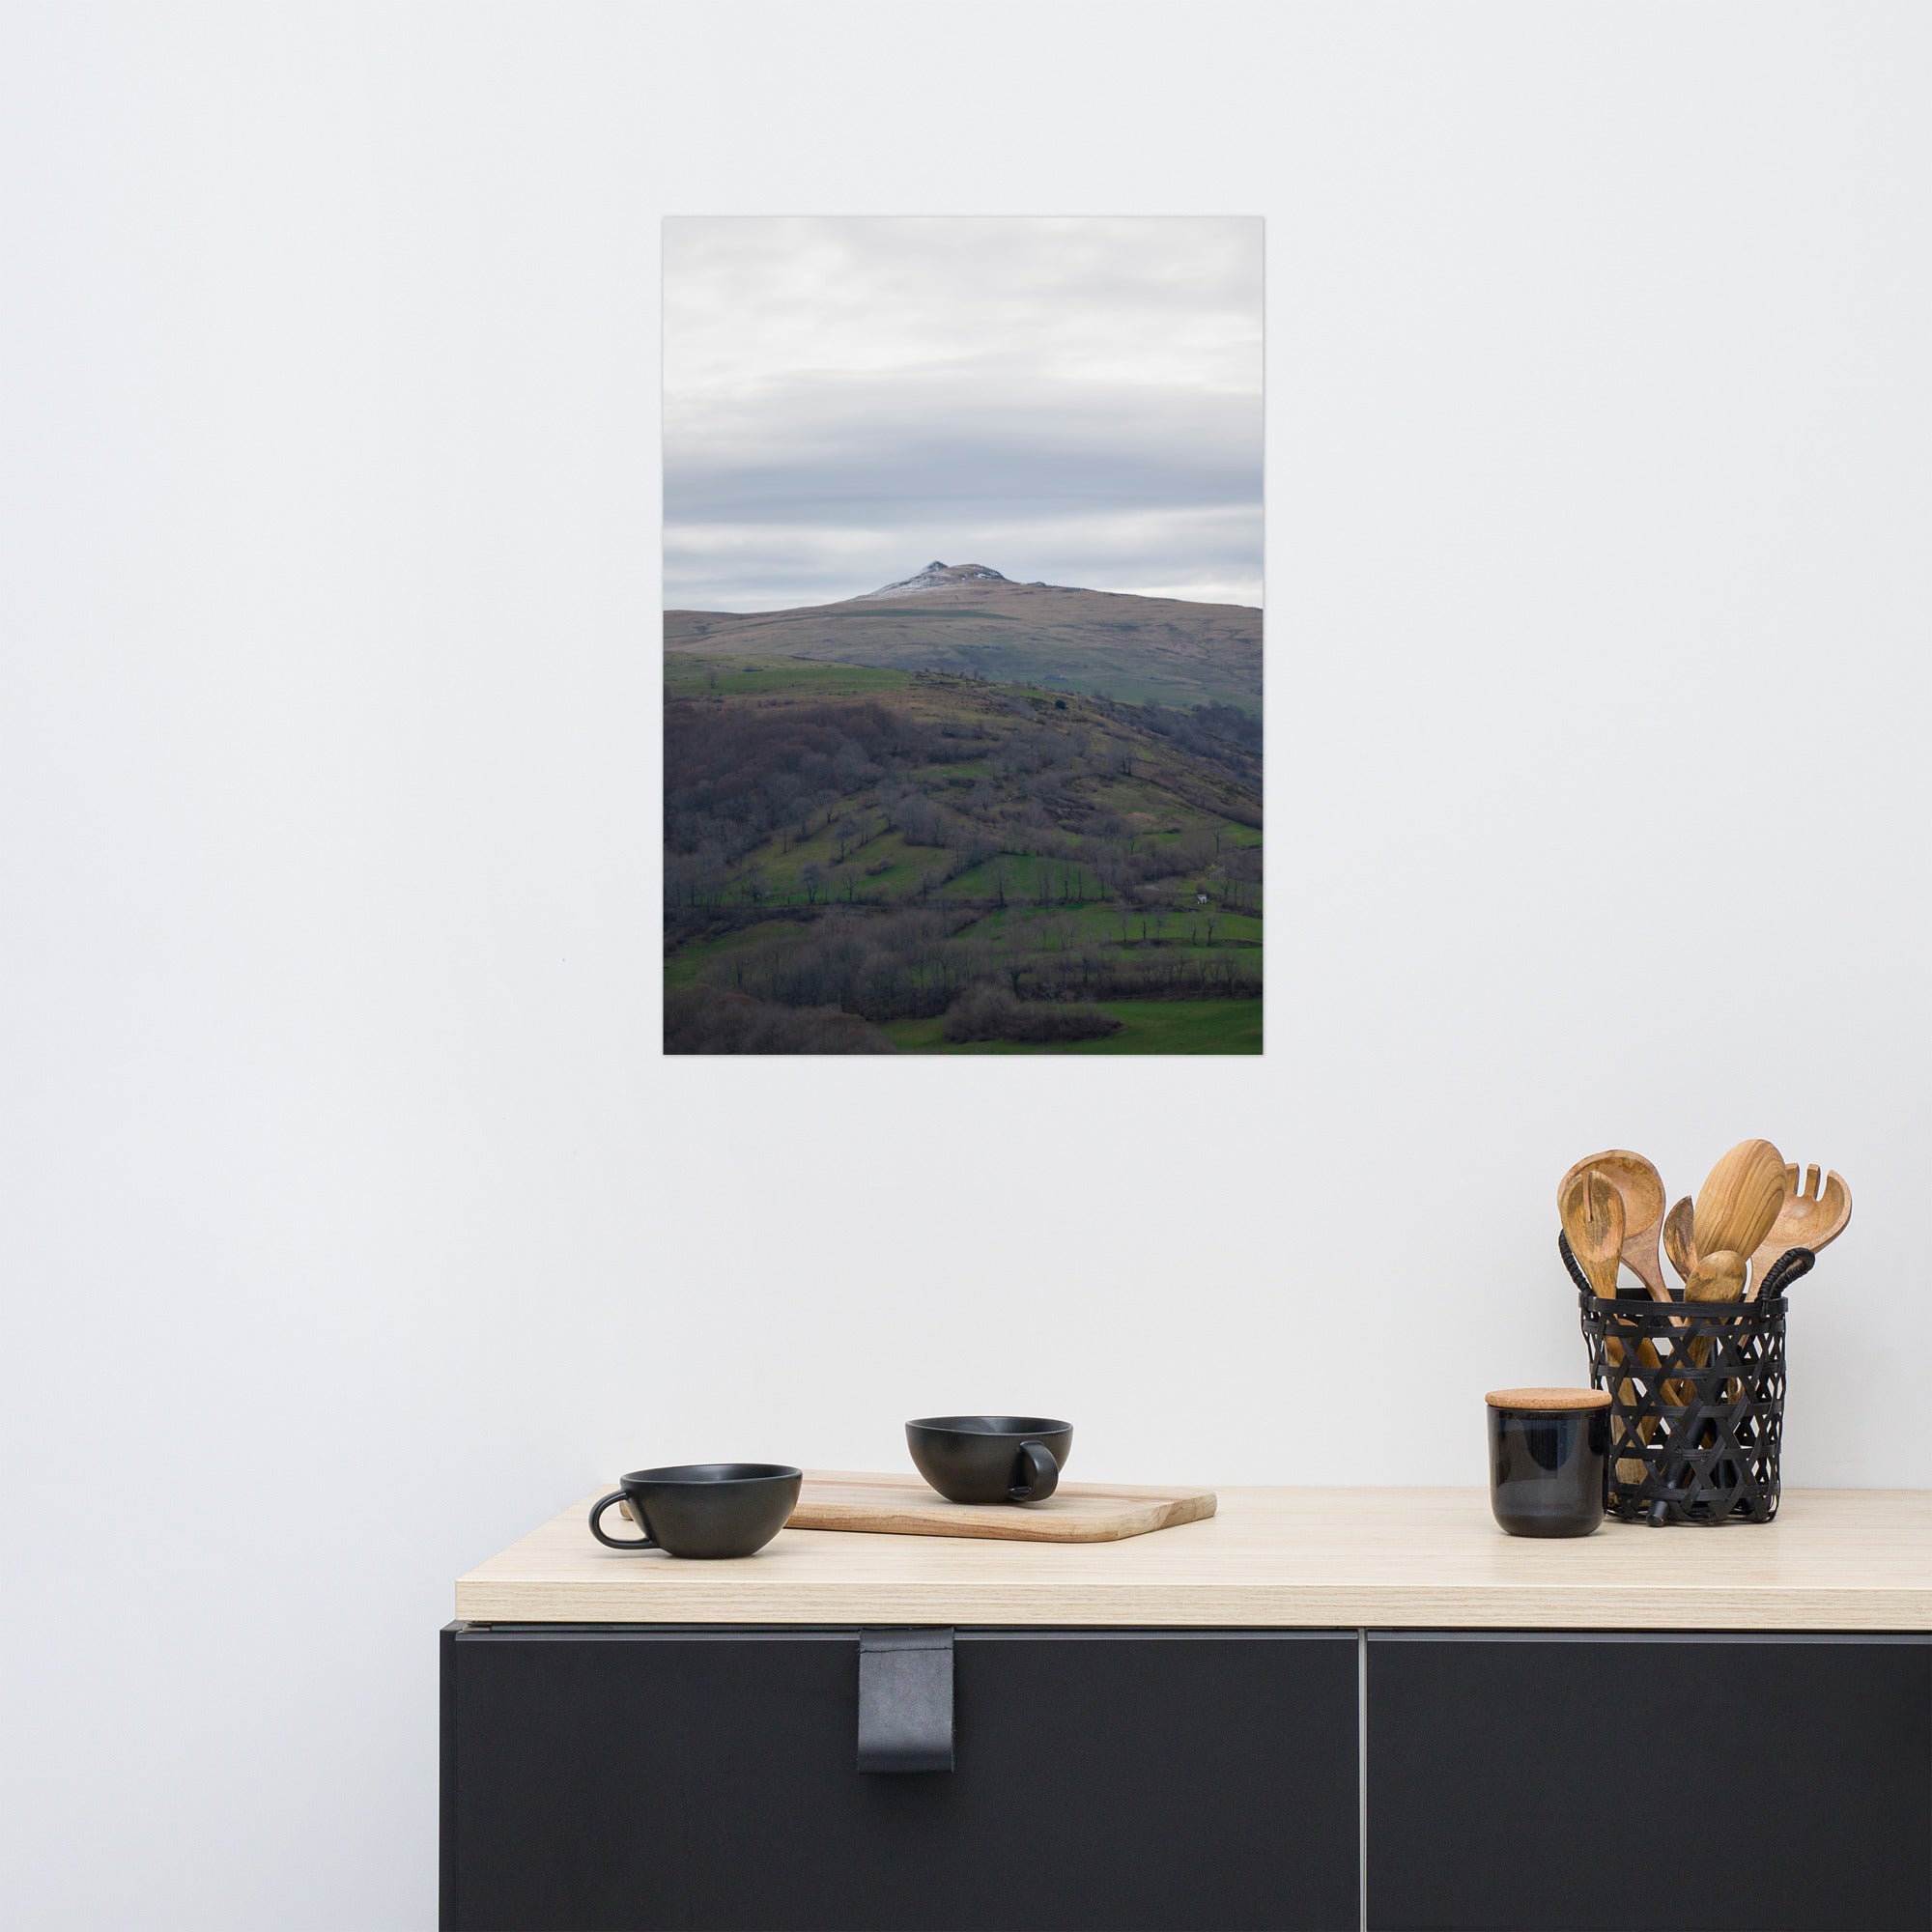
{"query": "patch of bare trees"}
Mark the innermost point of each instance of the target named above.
(703, 1019)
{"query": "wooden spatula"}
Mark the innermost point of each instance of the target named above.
(1739, 1200)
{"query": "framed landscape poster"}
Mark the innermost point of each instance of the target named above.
(962, 636)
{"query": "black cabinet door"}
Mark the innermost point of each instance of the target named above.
(605, 1778)
(1615, 1783)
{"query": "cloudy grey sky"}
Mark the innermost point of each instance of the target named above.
(1078, 401)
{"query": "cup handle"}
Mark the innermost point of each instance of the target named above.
(597, 1510)
(1041, 1475)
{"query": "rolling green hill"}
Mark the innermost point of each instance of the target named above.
(851, 851)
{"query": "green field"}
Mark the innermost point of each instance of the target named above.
(689, 676)
(1150, 1025)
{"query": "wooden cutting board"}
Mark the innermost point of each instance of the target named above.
(1075, 1512)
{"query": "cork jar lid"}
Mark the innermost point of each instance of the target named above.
(1548, 1401)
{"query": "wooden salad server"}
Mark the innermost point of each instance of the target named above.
(1592, 1212)
(1641, 1188)
(1810, 1217)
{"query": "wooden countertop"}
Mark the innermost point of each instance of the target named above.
(1835, 1559)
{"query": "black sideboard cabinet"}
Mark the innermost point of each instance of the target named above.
(605, 1778)
(1563, 1781)
(600, 1779)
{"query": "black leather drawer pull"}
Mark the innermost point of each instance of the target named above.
(905, 1700)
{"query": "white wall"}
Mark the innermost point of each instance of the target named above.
(353, 1222)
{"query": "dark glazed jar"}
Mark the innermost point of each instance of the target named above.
(1548, 1457)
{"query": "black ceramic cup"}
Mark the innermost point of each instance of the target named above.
(702, 1509)
(1549, 1459)
(991, 1459)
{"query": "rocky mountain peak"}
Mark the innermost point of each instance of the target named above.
(937, 576)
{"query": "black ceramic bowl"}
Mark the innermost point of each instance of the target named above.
(703, 1509)
(991, 1459)
(1548, 1460)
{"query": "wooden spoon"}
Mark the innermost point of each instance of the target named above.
(1680, 1242)
(1739, 1200)
(1641, 1187)
(1808, 1217)
(1717, 1277)
(1593, 1218)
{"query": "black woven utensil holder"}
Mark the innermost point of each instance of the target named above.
(1697, 1397)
